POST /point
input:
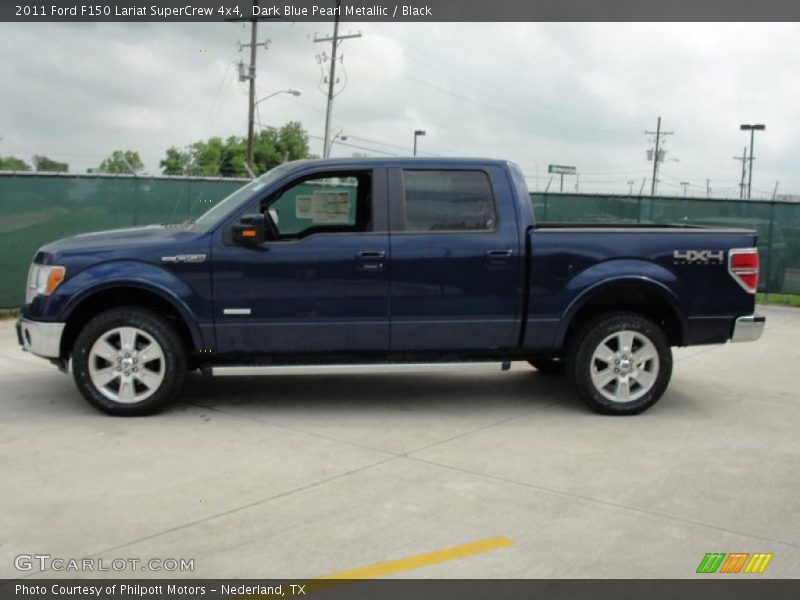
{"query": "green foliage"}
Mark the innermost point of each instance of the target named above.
(12, 163)
(785, 299)
(42, 163)
(176, 162)
(122, 161)
(216, 157)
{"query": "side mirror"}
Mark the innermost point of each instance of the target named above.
(250, 230)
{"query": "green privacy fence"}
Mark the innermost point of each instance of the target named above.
(38, 208)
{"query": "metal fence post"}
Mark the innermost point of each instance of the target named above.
(769, 251)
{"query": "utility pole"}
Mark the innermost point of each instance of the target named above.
(685, 185)
(251, 76)
(742, 158)
(641, 189)
(708, 188)
(659, 134)
(334, 40)
(630, 187)
(775, 191)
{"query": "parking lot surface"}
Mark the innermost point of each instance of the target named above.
(302, 476)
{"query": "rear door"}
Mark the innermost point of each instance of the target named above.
(457, 262)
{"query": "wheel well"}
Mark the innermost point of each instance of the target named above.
(122, 296)
(635, 298)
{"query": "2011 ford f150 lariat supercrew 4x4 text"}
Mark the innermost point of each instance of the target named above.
(338, 264)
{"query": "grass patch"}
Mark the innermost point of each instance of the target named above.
(784, 299)
(9, 313)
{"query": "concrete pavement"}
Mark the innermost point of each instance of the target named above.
(300, 476)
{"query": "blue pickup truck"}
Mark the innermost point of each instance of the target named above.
(342, 264)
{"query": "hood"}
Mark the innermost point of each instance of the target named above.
(145, 244)
(132, 236)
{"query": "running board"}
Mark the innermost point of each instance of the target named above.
(345, 369)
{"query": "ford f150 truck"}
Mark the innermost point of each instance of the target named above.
(336, 264)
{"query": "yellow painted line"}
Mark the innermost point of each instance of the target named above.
(421, 560)
(383, 569)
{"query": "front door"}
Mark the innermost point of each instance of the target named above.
(322, 285)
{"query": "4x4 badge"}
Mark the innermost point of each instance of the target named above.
(701, 257)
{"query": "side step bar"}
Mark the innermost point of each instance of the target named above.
(346, 369)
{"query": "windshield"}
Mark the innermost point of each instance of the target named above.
(224, 207)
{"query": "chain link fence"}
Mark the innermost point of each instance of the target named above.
(39, 208)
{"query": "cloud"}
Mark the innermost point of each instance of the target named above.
(536, 93)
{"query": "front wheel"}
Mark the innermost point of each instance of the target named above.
(621, 363)
(129, 361)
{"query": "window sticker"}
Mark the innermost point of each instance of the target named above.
(330, 208)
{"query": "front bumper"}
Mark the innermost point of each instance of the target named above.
(39, 338)
(748, 329)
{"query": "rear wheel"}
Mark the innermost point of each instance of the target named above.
(621, 363)
(129, 361)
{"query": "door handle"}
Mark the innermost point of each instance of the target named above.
(498, 258)
(371, 260)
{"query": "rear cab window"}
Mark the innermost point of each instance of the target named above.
(448, 201)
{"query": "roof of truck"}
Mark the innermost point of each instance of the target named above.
(393, 161)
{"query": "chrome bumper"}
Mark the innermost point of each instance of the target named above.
(39, 338)
(748, 329)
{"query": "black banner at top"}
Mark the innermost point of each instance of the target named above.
(400, 11)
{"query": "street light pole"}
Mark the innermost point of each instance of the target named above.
(267, 97)
(417, 133)
(752, 129)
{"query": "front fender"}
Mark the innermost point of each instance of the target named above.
(129, 273)
(606, 275)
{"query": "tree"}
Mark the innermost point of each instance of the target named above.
(216, 157)
(120, 161)
(12, 163)
(42, 163)
(176, 162)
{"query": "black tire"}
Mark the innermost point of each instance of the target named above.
(149, 324)
(548, 365)
(586, 369)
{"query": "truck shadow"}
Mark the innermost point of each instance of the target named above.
(381, 391)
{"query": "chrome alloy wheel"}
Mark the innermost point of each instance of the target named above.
(624, 366)
(126, 365)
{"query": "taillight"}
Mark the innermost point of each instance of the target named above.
(743, 267)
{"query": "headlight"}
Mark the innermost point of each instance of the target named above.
(42, 280)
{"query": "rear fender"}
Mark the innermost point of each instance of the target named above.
(605, 277)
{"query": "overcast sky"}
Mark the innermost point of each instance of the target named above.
(535, 93)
